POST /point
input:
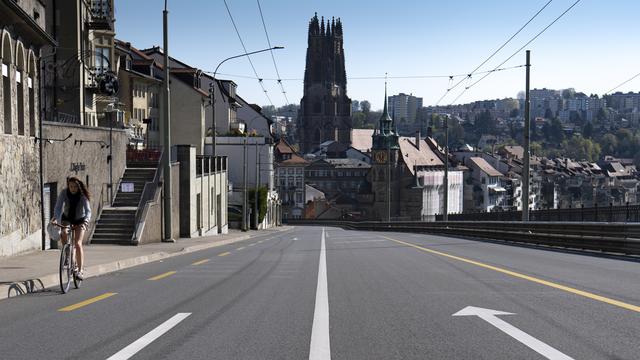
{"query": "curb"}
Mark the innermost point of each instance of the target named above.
(34, 285)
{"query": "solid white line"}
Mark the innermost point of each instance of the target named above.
(147, 339)
(320, 348)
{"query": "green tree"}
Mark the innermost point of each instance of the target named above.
(359, 119)
(365, 106)
(609, 144)
(580, 148)
(485, 123)
(514, 113)
(587, 130)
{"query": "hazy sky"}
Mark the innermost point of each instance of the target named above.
(593, 48)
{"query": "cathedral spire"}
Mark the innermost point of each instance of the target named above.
(322, 26)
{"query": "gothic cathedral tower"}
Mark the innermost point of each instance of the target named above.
(385, 167)
(325, 109)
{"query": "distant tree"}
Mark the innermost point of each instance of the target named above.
(569, 93)
(521, 95)
(587, 130)
(485, 123)
(355, 105)
(514, 113)
(359, 120)
(580, 148)
(602, 114)
(535, 148)
(365, 106)
(609, 144)
(548, 114)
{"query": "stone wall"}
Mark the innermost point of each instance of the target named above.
(20, 198)
(86, 160)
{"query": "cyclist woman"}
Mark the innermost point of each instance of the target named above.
(73, 208)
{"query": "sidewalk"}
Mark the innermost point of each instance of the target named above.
(39, 270)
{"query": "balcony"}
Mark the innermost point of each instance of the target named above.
(101, 18)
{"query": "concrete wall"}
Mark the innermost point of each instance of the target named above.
(233, 148)
(187, 116)
(87, 161)
(212, 219)
(154, 222)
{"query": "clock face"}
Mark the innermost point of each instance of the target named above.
(381, 157)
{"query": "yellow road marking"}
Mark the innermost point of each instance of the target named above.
(224, 254)
(86, 302)
(201, 262)
(240, 248)
(162, 276)
(527, 277)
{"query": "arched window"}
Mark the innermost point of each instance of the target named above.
(6, 53)
(31, 75)
(20, 66)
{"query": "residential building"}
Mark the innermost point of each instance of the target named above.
(486, 184)
(140, 78)
(403, 107)
(80, 85)
(290, 180)
(21, 203)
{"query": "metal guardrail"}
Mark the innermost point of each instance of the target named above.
(609, 213)
(596, 236)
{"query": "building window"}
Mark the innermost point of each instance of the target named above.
(32, 108)
(20, 102)
(6, 92)
(103, 59)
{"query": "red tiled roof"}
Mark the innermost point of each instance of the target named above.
(484, 166)
(414, 157)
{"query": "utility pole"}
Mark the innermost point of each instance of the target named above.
(166, 158)
(527, 128)
(445, 185)
(244, 185)
(255, 197)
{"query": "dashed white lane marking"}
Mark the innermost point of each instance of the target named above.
(147, 339)
(320, 348)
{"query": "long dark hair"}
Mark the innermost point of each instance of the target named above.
(81, 186)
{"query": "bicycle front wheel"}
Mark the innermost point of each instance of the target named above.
(65, 268)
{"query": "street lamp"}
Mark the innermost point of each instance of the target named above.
(215, 81)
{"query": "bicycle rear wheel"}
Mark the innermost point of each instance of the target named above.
(65, 268)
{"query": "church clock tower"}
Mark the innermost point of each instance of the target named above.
(385, 166)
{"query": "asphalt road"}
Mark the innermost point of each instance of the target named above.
(310, 293)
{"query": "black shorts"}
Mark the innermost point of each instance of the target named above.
(80, 221)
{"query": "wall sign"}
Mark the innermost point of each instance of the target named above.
(77, 167)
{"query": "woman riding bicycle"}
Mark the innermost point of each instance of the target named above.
(73, 208)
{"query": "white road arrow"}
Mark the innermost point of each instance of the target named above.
(490, 316)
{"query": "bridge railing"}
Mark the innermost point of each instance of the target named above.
(622, 238)
(609, 213)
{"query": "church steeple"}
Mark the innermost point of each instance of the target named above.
(386, 137)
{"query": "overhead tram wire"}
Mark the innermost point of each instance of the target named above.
(245, 51)
(624, 82)
(266, 33)
(494, 53)
(374, 77)
(517, 51)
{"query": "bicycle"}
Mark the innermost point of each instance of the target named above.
(68, 268)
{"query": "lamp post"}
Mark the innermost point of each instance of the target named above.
(445, 213)
(166, 157)
(215, 81)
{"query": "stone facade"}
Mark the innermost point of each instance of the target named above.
(20, 188)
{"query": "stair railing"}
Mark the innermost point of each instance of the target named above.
(148, 196)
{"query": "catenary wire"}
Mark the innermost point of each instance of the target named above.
(494, 53)
(245, 51)
(266, 33)
(517, 51)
